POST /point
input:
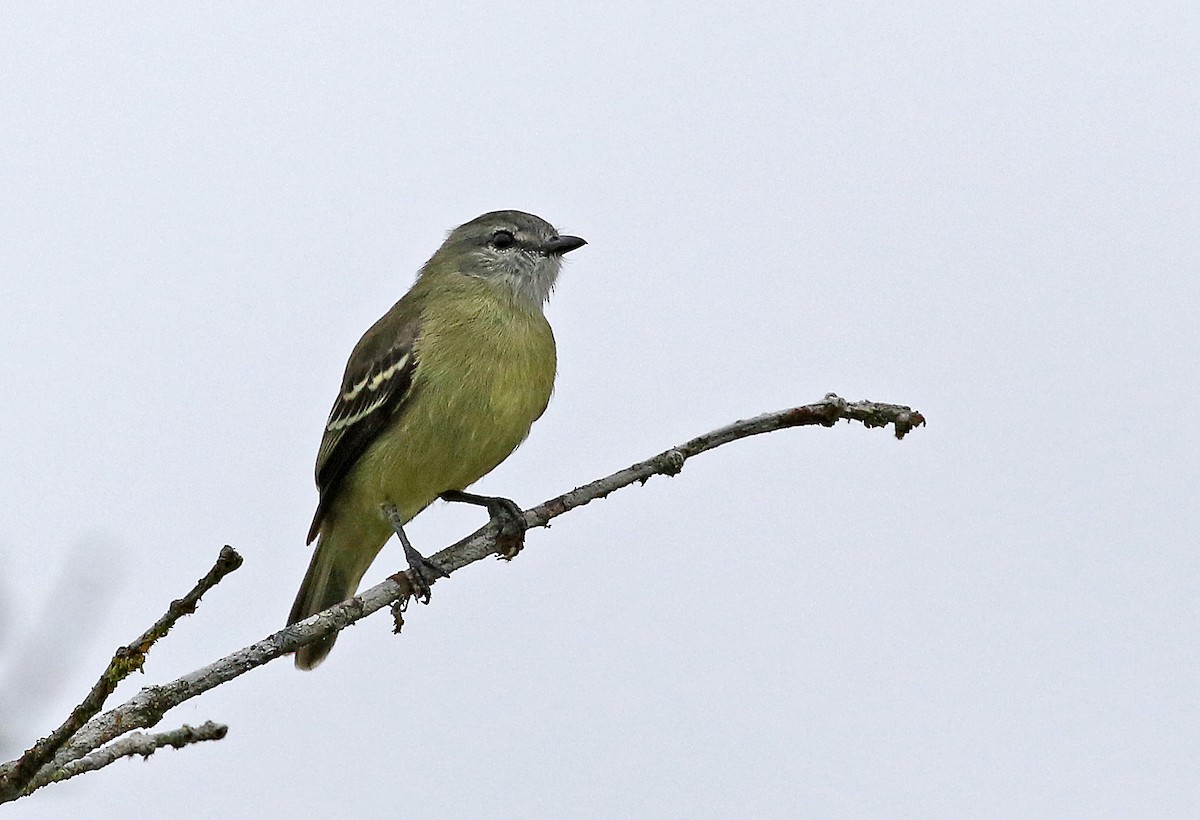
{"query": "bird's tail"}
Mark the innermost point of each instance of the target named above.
(337, 565)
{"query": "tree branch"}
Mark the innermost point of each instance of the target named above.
(14, 777)
(147, 707)
(136, 743)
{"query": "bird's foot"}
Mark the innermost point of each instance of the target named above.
(421, 571)
(505, 513)
(509, 516)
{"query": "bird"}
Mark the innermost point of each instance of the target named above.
(436, 394)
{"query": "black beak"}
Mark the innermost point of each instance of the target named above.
(563, 244)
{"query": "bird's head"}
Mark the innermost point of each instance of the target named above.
(513, 249)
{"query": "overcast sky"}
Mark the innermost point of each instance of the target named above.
(989, 213)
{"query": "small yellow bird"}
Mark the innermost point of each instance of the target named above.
(436, 394)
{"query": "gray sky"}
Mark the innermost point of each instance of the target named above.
(989, 213)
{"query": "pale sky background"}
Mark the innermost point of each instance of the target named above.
(988, 211)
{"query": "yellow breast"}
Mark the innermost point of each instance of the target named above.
(485, 372)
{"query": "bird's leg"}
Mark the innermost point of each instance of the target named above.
(421, 571)
(507, 514)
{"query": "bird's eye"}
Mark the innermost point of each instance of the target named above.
(502, 240)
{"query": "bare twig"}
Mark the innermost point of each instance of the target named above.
(136, 743)
(147, 707)
(14, 777)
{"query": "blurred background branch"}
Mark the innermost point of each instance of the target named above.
(41, 649)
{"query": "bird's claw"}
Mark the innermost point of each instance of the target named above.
(421, 574)
(510, 518)
(505, 513)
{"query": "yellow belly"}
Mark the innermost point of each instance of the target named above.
(484, 375)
